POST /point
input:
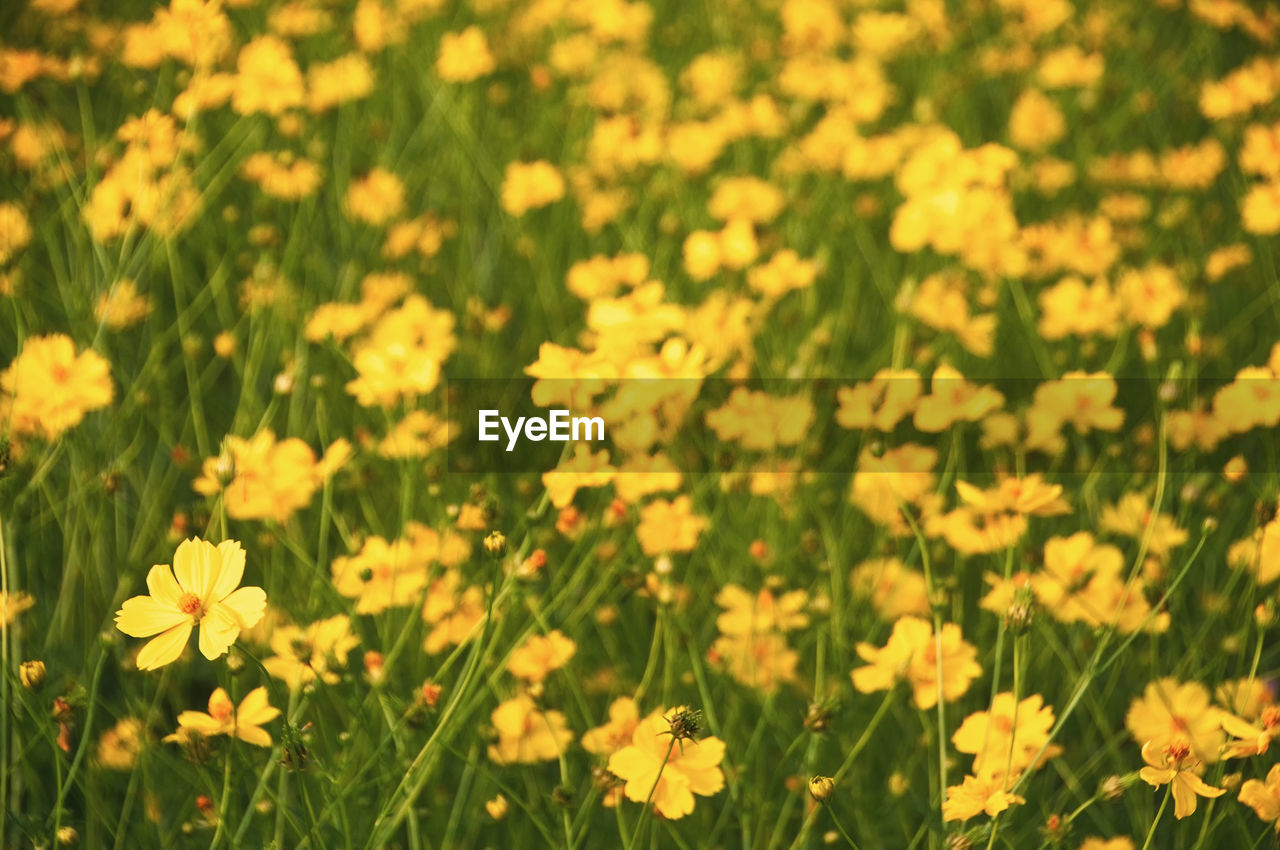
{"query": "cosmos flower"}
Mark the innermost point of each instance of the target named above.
(199, 591)
(225, 718)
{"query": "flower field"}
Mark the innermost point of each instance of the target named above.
(595, 424)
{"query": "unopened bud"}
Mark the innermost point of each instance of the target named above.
(31, 673)
(496, 543)
(821, 788)
(497, 807)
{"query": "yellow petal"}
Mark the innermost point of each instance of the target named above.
(639, 769)
(253, 735)
(255, 709)
(218, 630)
(247, 605)
(144, 616)
(1184, 799)
(162, 585)
(196, 566)
(166, 648)
(231, 569)
(198, 721)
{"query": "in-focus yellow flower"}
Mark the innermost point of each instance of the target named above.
(205, 593)
(224, 718)
(1174, 764)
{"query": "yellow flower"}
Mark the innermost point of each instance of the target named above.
(1250, 739)
(48, 388)
(526, 733)
(880, 403)
(224, 718)
(464, 56)
(1171, 711)
(953, 399)
(1004, 741)
(1029, 495)
(13, 604)
(1131, 516)
(453, 612)
(1036, 121)
(1263, 797)
(1150, 295)
(381, 575)
(267, 78)
(1174, 764)
(760, 613)
(976, 795)
(204, 593)
(624, 716)
(122, 305)
(260, 478)
(539, 655)
(15, 231)
(893, 588)
(584, 469)
(316, 652)
(376, 198)
(911, 654)
(343, 80)
(669, 526)
(691, 766)
(530, 185)
(119, 746)
(760, 660)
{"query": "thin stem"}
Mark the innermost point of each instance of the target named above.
(640, 824)
(1151, 833)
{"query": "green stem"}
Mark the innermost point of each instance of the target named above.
(1151, 833)
(644, 813)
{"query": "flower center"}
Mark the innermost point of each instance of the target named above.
(189, 603)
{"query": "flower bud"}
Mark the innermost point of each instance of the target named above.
(497, 807)
(31, 673)
(496, 543)
(821, 788)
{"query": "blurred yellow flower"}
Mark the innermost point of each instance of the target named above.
(539, 655)
(527, 734)
(530, 185)
(1174, 764)
(225, 718)
(464, 56)
(48, 388)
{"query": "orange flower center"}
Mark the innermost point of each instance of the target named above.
(1004, 724)
(189, 603)
(1178, 751)
(1270, 717)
